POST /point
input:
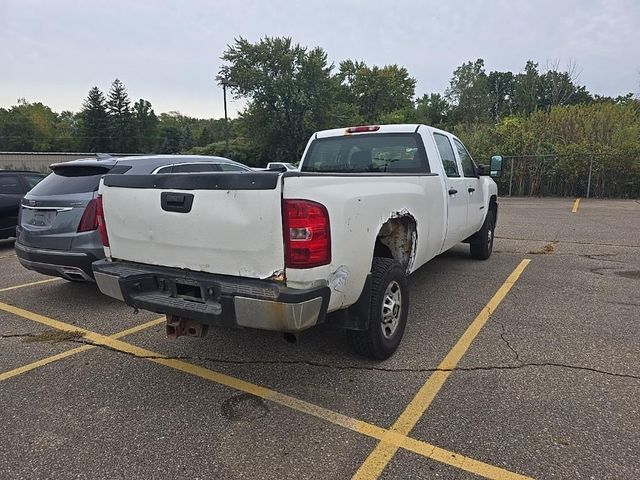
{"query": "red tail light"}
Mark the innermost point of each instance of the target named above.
(307, 238)
(89, 220)
(102, 226)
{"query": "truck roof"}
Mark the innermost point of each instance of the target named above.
(396, 128)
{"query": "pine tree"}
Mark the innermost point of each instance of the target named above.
(186, 139)
(94, 122)
(120, 118)
(145, 126)
(205, 137)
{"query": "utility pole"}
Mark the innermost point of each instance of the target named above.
(511, 176)
(589, 181)
(225, 82)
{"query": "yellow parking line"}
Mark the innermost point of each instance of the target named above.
(385, 450)
(39, 282)
(41, 363)
(74, 351)
(7, 256)
(576, 204)
(370, 430)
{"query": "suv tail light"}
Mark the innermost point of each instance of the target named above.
(307, 238)
(89, 220)
(102, 226)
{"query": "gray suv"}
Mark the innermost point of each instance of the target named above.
(57, 231)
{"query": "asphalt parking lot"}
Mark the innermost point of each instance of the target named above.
(525, 365)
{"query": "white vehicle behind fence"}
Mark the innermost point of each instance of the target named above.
(281, 250)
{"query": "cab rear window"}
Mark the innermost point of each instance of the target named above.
(70, 180)
(386, 152)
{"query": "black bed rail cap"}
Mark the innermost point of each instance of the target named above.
(197, 181)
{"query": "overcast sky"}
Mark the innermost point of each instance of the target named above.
(169, 51)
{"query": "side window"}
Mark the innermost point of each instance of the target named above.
(194, 168)
(228, 167)
(468, 167)
(447, 155)
(11, 184)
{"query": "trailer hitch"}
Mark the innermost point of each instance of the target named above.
(179, 326)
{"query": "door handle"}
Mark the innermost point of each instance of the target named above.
(471, 189)
(452, 191)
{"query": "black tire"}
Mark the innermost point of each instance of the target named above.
(381, 339)
(482, 244)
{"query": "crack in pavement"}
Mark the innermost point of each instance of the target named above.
(506, 342)
(359, 367)
(17, 335)
(568, 241)
(520, 364)
(626, 304)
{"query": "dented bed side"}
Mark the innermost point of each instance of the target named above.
(405, 212)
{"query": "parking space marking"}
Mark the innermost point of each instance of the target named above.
(383, 435)
(74, 351)
(31, 284)
(385, 450)
(41, 363)
(576, 204)
(8, 256)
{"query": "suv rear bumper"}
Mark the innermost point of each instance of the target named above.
(213, 299)
(60, 263)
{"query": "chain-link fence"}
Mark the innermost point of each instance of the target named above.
(583, 175)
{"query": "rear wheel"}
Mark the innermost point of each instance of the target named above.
(388, 311)
(482, 244)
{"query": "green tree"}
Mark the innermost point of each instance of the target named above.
(94, 123)
(526, 90)
(66, 133)
(17, 132)
(186, 139)
(500, 86)
(145, 126)
(168, 139)
(377, 91)
(432, 109)
(120, 118)
(468, 93)
(205, 137)
(290, 91)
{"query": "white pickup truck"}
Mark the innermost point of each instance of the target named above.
(281, 250)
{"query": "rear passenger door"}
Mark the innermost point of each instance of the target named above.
(456, 190)
(472, 188)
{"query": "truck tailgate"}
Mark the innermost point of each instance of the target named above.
(224, 223)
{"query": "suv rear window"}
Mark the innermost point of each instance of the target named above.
(380, 152)
(70, 180)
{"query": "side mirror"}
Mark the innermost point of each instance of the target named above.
(496, 166)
